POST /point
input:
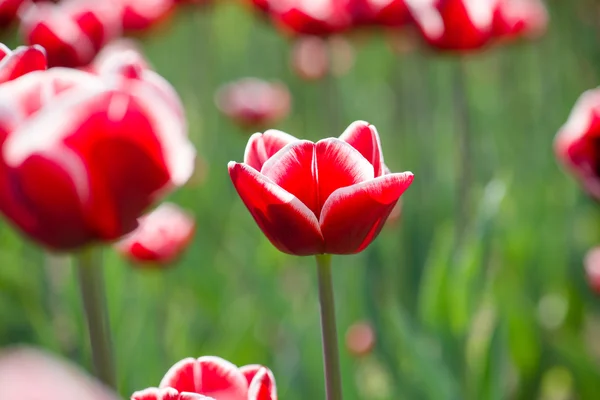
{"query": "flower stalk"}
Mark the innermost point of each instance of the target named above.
(91, 285)
(331, 358)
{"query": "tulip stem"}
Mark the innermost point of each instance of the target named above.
(331, 355)
(91, 284)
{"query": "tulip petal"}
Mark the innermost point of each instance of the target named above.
(166, 394)
(262, 386)
(21, 61)
(353, 216)
(286, 221)
(365, 138)
(249, 371)
(311, 172)
(210, 376)
(262, 146)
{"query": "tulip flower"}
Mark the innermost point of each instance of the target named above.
(160, 237)
(8, 11)
(514, 19)
(142, 15)
(310, 17)
(308, 198)
(87, 178)
(360, 339)
(454, 25)
(31, 374)
(576, 144)
(386, 13)
(72, 32)
(254, 103)
(22, 60)
(592, 268)
(215, 378)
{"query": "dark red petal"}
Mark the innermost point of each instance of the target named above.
(353, 216)
(263, 386)
(210, 376)
(262, 146)
(365, 138)
(285, 220)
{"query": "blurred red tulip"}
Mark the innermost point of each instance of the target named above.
(216, 378)
(29, 374)
(310, 17)
(515, 19)
(360, 339)
(161, 236)
(23, 60)
(577, 144)
(142, 15)
(104, 156)
(592, 268)
(385, 13)
(253, 103)
(72, 32)
(309, 198)
(167, 394)
(122, 58)
(310, 57)
(454, 25)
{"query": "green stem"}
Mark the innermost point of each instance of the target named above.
(331, 355)
(91, 284)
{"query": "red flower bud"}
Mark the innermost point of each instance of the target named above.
(253, 103)
(577, 144)
(142, 15)
(309, 198)
(160, 237)
(515, 19)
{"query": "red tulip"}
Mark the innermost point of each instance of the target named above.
(387, 13)
(142, 15)
(23, 60)
(123, 59)
(309, 198)
(254, 103)
(71, 32)
(81, 160)
(215, 378)
(360, 339)
(310, 17)
(454, 25)
(577, 144)
(514, 19)
(592, 268)
(160, 237)
(29, 374)
(167, 394)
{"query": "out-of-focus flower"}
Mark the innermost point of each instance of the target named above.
(123, 59)
(167, 394)
(72, 32)
(82, 160)
(309, 198)
(8, 11)
(577, 144)
(454, 25)
(360, 338)
(592, 268)
(29, 374)
(216, 378)
(310, 17)
(21, 61)
(514, 19)
(313, 57)
(143, 15)
(384, 13)
(160, 238)
(262, 6)
(254, 103)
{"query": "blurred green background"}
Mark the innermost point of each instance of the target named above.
(503, 313)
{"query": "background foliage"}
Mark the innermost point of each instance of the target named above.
(503, 314)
